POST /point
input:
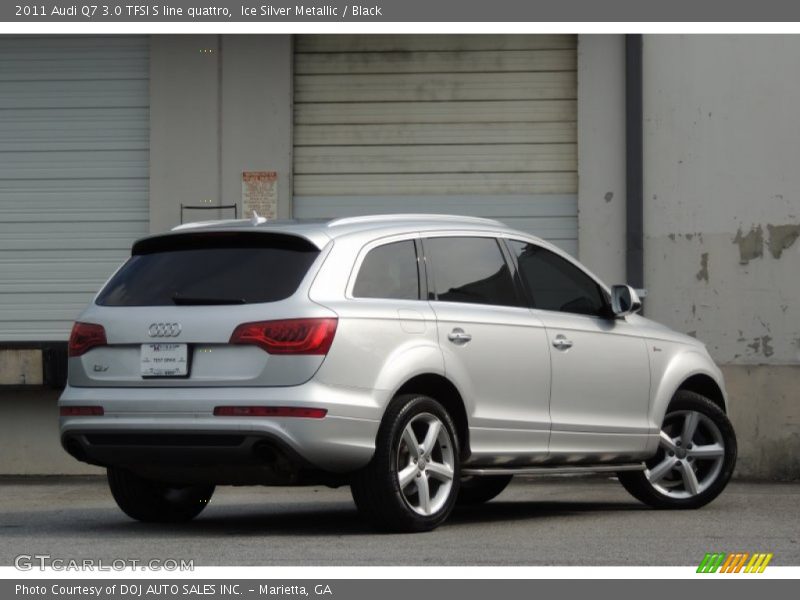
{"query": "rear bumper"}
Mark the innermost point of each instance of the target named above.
(175, 429)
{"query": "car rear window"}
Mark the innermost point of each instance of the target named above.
(211, 268)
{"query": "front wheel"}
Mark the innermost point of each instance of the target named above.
(155, 501)
(695, 458)
(412, 481)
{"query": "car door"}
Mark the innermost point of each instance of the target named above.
(494, 348)
(600, 385)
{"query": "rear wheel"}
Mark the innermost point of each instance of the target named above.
(477, 490)
(412, 481)
(695, 458)
(154, 501)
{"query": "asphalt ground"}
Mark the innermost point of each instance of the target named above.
(534, 522)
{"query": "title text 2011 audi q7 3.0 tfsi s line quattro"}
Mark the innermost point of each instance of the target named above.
(424, 360)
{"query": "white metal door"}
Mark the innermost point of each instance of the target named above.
(74, 142)
(479, 125)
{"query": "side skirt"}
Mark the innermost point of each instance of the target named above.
(560, 470)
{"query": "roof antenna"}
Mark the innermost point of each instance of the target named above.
(257, 219)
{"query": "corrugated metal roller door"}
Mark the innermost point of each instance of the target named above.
(472, 124)
(74, 135)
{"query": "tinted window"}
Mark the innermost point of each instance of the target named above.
(389, 271)
(210, 269)
(469, 270)
(557, 284)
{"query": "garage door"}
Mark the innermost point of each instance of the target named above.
(478, 125)
(74, 130)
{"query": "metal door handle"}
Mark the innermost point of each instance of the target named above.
(458, 336)
(562, 343)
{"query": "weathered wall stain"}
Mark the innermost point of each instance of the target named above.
(673, 237)
(609, 196)
(751, 246)
(702, 274)
(765, 344)
(781, 237)
(762, 344)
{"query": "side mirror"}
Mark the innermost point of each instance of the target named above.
(624, 300)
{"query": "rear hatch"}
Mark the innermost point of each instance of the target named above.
(212, 308)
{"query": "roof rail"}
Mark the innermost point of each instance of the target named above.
(412, 217)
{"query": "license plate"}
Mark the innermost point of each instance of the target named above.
(164, 360)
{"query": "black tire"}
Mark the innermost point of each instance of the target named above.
(377, 490)
(478, 490)
(718, 470)
(154, 501)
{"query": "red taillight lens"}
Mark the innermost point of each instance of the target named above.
(289, 336)
(269, 411)
(84, 337)
(82, 411)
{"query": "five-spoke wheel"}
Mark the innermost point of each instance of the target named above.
(695, 458)
(425, 464)
(412, 481)
(690, 457)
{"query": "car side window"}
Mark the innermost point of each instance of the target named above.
(555, 283)
(389, 271)
(469, 269)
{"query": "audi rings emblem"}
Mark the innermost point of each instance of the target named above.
(164, 330)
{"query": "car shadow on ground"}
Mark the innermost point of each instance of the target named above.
(307, 519)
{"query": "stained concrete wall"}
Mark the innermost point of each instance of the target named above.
(219, 105)
(601, 155)
(722, 218)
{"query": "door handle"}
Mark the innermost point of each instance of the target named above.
(562, 343)
(458, 336)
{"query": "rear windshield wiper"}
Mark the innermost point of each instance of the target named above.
(204, 301)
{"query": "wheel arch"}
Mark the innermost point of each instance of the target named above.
(687, 370)
(441, 389)
(704, 384)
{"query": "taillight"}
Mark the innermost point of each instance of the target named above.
(82, 411)
(269, 411)
(288, 336)
(84, 337)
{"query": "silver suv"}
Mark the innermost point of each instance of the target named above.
(424, 360)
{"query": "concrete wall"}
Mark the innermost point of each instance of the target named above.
(184, 126)
(219, 105)
(29, 433)
(601, 155)
(722, 216)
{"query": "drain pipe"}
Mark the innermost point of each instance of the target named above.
(634, 168)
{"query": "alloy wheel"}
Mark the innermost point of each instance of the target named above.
(425, 464)
(690, 456)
